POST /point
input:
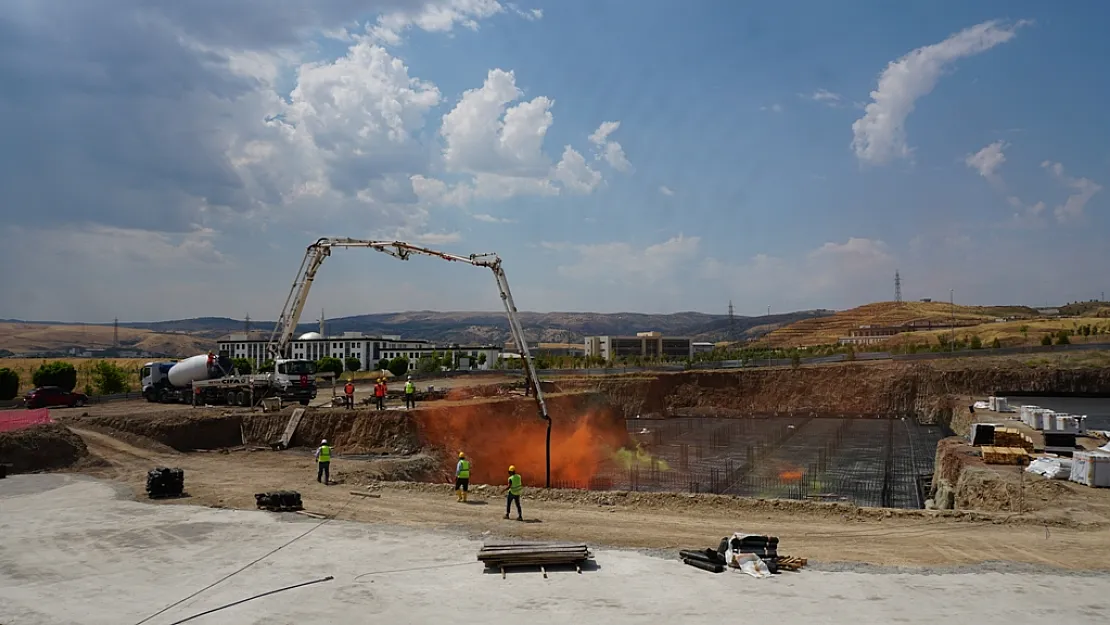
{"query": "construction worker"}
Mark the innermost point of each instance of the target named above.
(379, 393)
(349, 392)
(513, 491)
(462, 477)
(323, 462)
(410, 393)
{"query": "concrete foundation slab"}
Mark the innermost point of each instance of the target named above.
(73, 551)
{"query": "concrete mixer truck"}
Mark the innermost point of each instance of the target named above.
(211, 379)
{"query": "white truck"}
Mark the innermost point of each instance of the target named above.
(209, 379)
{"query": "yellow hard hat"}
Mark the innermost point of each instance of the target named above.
(512, 469)
(462, 455)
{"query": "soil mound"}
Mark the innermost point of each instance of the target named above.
(41, 448)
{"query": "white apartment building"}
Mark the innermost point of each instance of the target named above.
(370, 350)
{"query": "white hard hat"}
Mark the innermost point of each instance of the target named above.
(324, 442)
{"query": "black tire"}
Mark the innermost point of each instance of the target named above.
(241, 398)
(230, 398)
(304, 402)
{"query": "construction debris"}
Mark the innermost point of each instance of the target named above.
(504, 555)
(279, 501)
(706, 560)
(790, 563)
(1012, 437)
(163, 482)
(362, 494)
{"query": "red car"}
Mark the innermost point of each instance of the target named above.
(52, 396)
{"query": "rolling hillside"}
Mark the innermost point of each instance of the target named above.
(189, 336)
(827, 330)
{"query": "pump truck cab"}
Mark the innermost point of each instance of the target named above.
(212, 379)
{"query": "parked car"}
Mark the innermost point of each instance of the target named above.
(52, 396)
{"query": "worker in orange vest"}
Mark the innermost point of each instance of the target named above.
(349, 391)
(379, 393)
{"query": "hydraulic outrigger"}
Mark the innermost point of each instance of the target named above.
(282, 336)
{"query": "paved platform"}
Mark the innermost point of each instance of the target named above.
(72, 550)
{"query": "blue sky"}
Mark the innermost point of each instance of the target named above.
(174, 160)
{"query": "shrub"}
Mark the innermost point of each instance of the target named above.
(383, 364)
(57, 373)
(109, 379)
(995, 344)
(329, 364)
(976, 342)
(1046, 339)
(1062, 338)
(398, 366)
(243, 366)
(352, 363)
(9, 384)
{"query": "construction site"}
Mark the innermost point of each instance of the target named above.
(843, 483)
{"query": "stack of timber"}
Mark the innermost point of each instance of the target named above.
(704, 559)
(1011, 437)
(791, 563)
(1005, 455)
(504, 555)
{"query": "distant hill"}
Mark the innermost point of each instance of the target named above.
(827, 330)
(24, 337)
(445, 327)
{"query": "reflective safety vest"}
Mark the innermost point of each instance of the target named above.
(515, 485)
(349, 389)
(410, 388)
(325, 453)
(464, 469)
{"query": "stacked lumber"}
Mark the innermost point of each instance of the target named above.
(502, 555)
(1012, 437)
(1004, 455)
(791, 563)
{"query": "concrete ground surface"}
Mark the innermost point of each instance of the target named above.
(78, 550)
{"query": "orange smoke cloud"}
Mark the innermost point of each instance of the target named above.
(494, 436)
(791, 476)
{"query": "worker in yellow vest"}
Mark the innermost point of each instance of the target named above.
(513, 491)
(410, 393)
(462, 477)
(323, 462)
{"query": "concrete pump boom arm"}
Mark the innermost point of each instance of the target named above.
(282, 336)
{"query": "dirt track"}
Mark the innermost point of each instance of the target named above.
(822, 534)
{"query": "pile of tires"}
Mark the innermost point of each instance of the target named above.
(165, 482)
(279, 501)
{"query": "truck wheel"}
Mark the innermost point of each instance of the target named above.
(163, 397)
(231, 398)
(242, 399)
(304, 402)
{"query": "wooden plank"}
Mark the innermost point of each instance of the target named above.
(362, 494)
(311, 514)
(291, 426)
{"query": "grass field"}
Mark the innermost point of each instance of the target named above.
(1010, 333)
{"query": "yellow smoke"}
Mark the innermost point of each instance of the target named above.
(629, 458)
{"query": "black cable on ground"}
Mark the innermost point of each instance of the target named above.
(258, 596)
(250, 564)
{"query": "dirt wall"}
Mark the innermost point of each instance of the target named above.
(41, 448)
(888, 388)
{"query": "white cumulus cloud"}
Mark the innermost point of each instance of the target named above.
(988, 160)
(1083, 189)
(665, 190)
(880, 135)
(610, 150)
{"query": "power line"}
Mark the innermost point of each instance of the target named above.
(897, 287)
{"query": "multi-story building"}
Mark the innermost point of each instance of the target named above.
(644, 345)
(369, 350)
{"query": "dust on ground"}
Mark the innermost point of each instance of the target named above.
(823, 533)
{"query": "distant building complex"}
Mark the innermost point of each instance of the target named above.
(369, 350)
(644, 345)
(871, 334)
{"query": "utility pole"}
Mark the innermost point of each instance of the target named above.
(952, 305)
(731, 323)
(247, 324)
(897, 288)
(115, 332)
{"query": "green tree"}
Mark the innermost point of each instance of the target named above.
(399, 366)
(995, 344)
(329, 364)
(1062, 338)
(266, 367)
(1086, 329)
(1046, 339)
(482, 358)
(57, 373)
(9, 384)
(109, 378)
(383, 364)
(243, 366)
(427, 364)
(795, 360)
(1024, 331)
(352, 363)
(976, 342)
